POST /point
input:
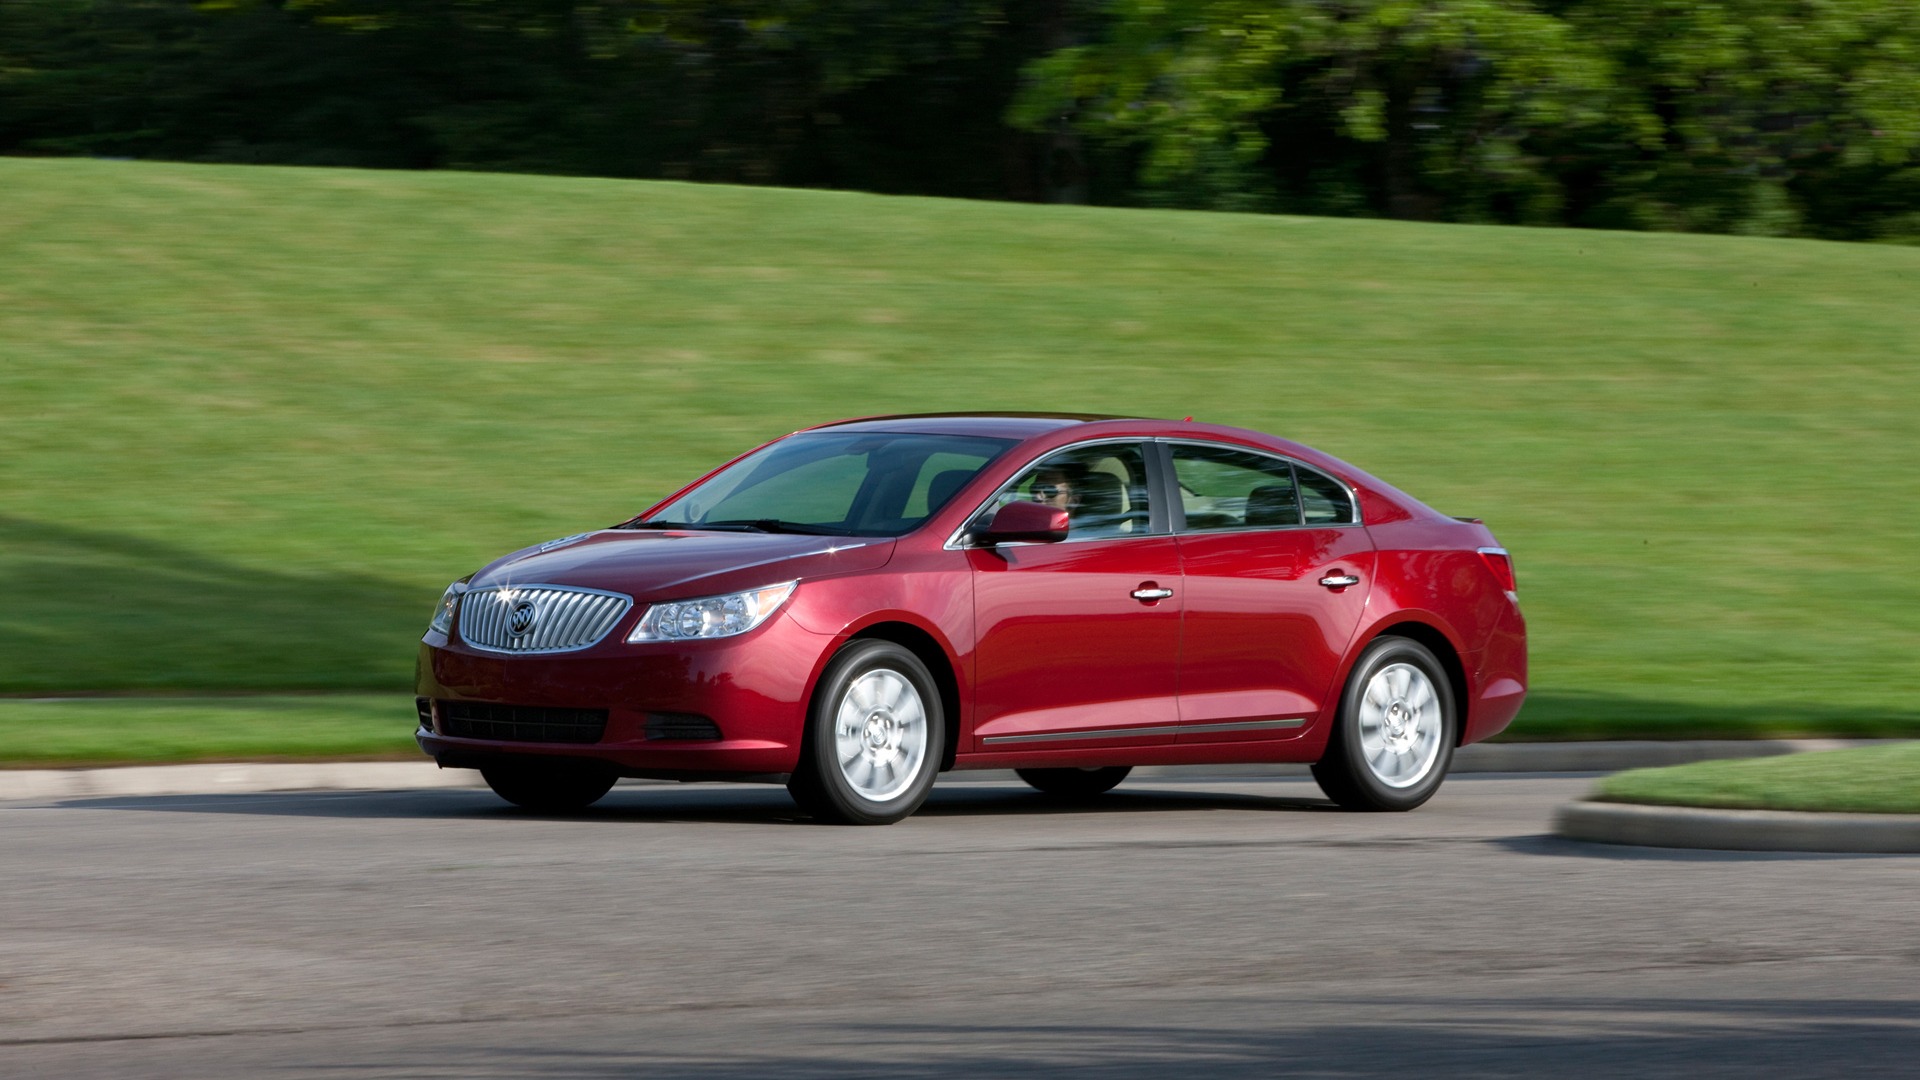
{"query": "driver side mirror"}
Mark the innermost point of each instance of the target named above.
(1029, 522)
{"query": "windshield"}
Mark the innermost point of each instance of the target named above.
(839, 483)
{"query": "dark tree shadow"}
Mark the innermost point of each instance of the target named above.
(100, 610)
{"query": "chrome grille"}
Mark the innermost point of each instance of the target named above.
(539, 618)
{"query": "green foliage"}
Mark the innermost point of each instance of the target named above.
(1776, 117)
(1182, 78)
(1766, 117)
(865, 93)
(1448, 89)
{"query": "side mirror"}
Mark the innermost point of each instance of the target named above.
(1031, 522)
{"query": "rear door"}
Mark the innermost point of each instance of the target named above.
(1276, 569)
(1078, 642)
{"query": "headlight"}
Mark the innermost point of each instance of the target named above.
(710, 616)
(449, 606)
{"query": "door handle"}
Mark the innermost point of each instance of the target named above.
(1339, 581)
(1150, 595)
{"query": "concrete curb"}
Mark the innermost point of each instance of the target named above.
(256, 777)
(229, 779)
(1738, 830)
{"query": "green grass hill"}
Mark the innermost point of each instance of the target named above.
(253, 419)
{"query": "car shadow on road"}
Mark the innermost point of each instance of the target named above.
(1468, 1037)
(715, 804)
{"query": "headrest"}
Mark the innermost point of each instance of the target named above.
(1273, 505)
(943, 486)
(1100, 496)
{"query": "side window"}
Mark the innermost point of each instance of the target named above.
(1325, 500)
(1103, 489)
(1224, 487)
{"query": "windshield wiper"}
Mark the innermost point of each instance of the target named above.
(774, 525)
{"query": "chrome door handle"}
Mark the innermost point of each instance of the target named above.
(1150, 595)
(1339, 581)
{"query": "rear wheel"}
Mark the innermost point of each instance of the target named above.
(1075, 783)
(1394, 736)
(874, 737)
(556, 788)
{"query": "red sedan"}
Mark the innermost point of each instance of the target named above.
(858, 607)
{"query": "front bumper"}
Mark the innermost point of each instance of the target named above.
(753, 688)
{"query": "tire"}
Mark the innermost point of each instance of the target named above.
(556, 788)
(1075, 783)
(1393, 738)
(875, 732)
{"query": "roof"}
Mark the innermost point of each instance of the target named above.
(1017, 425)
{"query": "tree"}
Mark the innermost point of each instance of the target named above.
(1770, 116)
(1782, 116)
(1435, 101)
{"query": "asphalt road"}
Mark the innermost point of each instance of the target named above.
(1226, 929)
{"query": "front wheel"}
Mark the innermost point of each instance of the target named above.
(1393, 738)
(874, 737)
(558, 788)
(1075, 783)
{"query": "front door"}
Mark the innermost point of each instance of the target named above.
(1078, 642)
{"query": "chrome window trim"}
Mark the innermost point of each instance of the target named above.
(1161, 729)
(1353, 495)
(956, 541)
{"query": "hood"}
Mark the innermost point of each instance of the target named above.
(674, 564)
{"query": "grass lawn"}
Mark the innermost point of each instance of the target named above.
(253, 419)
(52, 734)
(1867, 780)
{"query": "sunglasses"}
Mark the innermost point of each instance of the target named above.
(1048, 491)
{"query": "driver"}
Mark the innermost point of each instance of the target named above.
(1058, 486)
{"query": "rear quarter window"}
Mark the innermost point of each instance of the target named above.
(1324, 500)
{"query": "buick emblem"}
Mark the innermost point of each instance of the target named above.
(520, 619)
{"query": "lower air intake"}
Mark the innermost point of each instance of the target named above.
(521, 723)
(683, 727)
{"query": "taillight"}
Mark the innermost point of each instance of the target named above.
(1501, 564)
